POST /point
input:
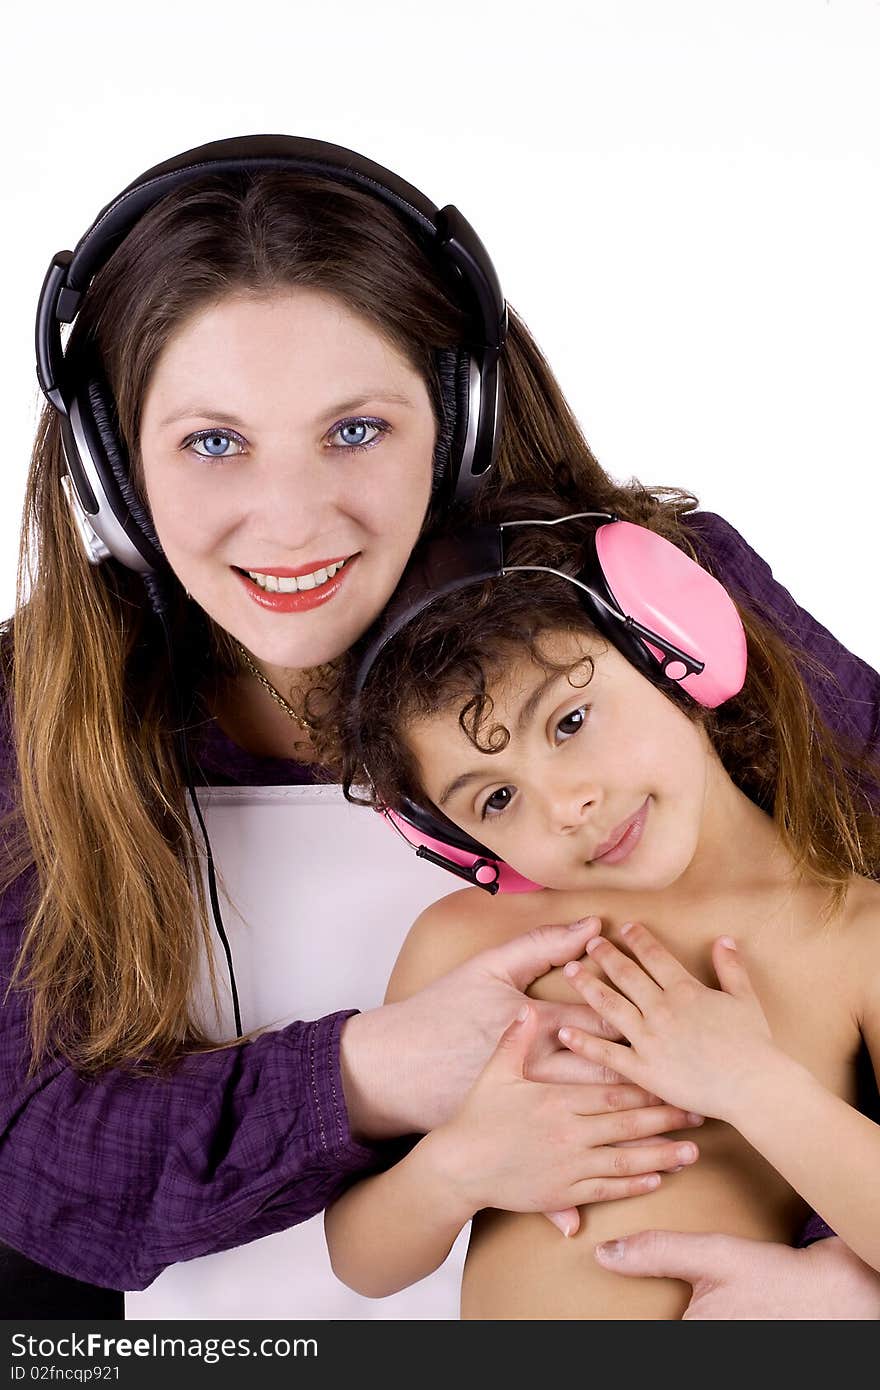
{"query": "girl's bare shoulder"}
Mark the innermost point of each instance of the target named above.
(461, 925)
(861, 926)
(860, 958)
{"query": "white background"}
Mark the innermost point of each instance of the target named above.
(681, 198)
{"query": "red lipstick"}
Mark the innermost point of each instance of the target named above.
(303, 599)
(283, 572)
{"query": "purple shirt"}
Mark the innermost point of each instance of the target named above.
(110, 1180)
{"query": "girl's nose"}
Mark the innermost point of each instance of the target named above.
(569, 808)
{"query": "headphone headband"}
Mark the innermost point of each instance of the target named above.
(449, 563)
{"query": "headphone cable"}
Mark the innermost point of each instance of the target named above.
(156, 591)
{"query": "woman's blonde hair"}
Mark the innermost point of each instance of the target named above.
(97, 818)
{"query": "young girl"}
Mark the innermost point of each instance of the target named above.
(726, 846)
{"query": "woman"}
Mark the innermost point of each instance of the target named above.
(287, 309)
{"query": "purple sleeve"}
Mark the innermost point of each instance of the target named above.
(110, 1180)
(815, 1229)
(847, 692)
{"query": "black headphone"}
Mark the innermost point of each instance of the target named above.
(111, 519)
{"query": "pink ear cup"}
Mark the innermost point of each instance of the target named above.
(658, 585)
(509, 881)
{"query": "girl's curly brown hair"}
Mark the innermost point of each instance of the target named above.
(771, 738)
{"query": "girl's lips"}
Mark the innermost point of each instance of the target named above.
(301, 600)
(624, 846)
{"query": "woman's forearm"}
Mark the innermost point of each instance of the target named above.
(829, 1152)
(393, 1229)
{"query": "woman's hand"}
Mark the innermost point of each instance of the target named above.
(752, 1280)
(407, 1067)
(697, 1047)
(523, 1145)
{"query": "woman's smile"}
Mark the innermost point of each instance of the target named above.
(288, 591)
(327, 436)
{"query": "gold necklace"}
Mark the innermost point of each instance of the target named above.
(279, 699)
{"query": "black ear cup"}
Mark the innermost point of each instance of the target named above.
(112, 465)
(445, 361)
(465, 423)
(454, 376)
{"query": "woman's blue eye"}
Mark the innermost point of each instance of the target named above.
(570, 724)
(498, 802)
(216, 444)
(355, 433)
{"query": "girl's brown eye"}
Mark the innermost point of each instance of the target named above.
(570, 724)
(497, 802)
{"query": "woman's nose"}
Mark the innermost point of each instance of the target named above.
(297, 501)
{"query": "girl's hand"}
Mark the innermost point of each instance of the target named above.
(695, 1046)
(523, 1145)
(407, 1067)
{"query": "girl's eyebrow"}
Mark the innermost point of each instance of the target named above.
(199, 412)
(457, 785)
(531, 704)
(522, 719)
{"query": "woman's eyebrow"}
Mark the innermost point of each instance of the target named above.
(364, 399)
(522, 719)
(199, 412)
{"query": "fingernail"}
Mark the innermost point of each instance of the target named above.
(728, 941)
(680, 1168)
(563, 1035)
(572, 968)
(627, 927)
(694, 1119)
(582, 922)
(567, 1229)
(686, 1151)
(610, 1250)
(595, 943)
(523, 1014)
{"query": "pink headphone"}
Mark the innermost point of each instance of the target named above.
(663, 612)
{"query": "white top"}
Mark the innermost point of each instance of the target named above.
(325, 893)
